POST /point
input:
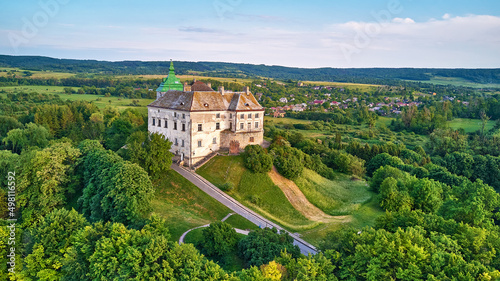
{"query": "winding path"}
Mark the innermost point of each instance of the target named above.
(241, 231)
(239, 208)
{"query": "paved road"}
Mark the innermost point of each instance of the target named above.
(237, 207)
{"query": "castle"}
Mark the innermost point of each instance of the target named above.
(200, 121)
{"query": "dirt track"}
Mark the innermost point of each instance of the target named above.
(300, 202)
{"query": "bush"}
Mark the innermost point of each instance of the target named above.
(257, 160)
(228, 186)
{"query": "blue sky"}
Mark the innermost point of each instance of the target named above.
(314, 33)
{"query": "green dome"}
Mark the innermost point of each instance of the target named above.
(171, 82)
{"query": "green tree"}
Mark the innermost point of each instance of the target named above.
(31, 135)
(257, 159)
(219, 239)
(263, 245)
(151, 151)
(127, 193)
(51, 237)
(381, 160)
(45, 180)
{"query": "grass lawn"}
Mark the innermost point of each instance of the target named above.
(339, 197)
(256, 191)
(469, 125)
(184, 205)
(240, 222)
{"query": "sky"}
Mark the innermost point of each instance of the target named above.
(309, 34)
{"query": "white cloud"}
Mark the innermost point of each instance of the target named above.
(468, 41)
(401, 20)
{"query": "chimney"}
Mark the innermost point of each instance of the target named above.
(209, 84)
(246, 89)
(187, 88)
(221, 90)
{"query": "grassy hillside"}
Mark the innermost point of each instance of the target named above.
(184, 205)
(339, 197)
(256, 191)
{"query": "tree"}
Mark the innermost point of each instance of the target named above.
(472, 203)
(111, 252)
(288, 161)
(263, 245)
(45, 180)
(151, 151)
(257, 159)
(126, 194)
(381, 160)
(31, 135)
(51, 238)
(219, 239)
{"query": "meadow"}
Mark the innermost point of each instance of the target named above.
(256, 191)
(350, 200)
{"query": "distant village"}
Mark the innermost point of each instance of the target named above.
(391, 106)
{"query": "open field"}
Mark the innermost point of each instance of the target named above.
(457, 82)
(35, 74)
(351, 86)
(99, 100)
(184, 205)
(469, 125)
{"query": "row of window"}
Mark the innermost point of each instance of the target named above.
(217, 115)
(165, 124)
(200, 143)
(242, 116)
(200, 126)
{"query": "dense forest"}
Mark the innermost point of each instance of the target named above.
(220, 69)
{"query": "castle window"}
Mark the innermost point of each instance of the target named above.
(214, 141)
(230, 125)
(230, 115)
(182, 143)
(176, 141)
(175, 114)
(256, 125)
(154, 122)
(249, 125)
(250, 115)
(183, 116)
(252, 139)
(217, 115)
(183, 127)
(199, 143)
(166, 123)
(200, 127)
(217, 126)
(256, 115)
(242, 116)
(175, 125)
(241, 126)
(159, 122)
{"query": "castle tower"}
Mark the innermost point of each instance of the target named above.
(170, 83)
